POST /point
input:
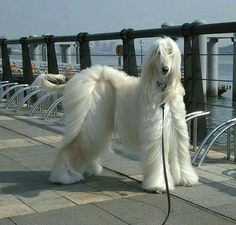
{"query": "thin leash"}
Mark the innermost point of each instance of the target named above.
(164, 165)
(163, 157)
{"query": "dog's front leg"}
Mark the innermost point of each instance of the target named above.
(153, 177)
(187, 173)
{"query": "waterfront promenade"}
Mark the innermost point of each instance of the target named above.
(115, 197)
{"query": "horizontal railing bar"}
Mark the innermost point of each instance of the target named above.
(69, 38)
(213, 28)
(189, 29)
(148, 33)
(36, 40)
(103, 36)
(12, 41)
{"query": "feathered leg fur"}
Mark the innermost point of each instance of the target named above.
(188, 176)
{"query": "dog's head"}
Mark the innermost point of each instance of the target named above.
(162, 66)
(163, 59)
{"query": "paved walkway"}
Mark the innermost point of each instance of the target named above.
(115, 197)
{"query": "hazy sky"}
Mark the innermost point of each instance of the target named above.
(66, 17)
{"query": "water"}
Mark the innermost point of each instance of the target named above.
(222, 108)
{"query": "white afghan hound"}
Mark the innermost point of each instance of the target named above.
(101, 100)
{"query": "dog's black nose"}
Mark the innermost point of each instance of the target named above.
(165, 69)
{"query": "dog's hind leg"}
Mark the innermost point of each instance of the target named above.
(63, 170)
(93, 168)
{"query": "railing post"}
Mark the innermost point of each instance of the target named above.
(84, 51)
(6, 65)
(194, 98)
(76, 52)
(44, 52)
(65, 53)
(34, 51)
(234, 67)
(212, 67)
(129, 57)
(51, 55)
(187, 61)
(27, 68)
(166, 25)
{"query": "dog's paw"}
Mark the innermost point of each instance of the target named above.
(66, 178)
(64, 173)
(159, 188)
(93, 170)
(188, 180)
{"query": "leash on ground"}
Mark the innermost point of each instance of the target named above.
(164, 165)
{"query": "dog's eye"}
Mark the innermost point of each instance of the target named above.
(170, 51)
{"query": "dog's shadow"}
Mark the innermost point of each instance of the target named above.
(30, 184)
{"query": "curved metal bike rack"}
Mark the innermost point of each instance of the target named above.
(37, 103)
(228, 124)
(27, 97)
(11, 88)
(52, 107)
(16, 94)
(193, 113)
(194, 117)
(4, 82)
(61, 120)
(7, 84)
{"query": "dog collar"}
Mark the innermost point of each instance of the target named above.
(161, 85)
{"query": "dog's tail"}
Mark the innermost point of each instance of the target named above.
(50, 82)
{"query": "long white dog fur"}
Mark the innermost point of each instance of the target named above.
(101, 100)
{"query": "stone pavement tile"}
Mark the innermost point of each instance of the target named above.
(33, 129)
(45, 140)
(7, 134)
(137, 177)
(13, 182)
(55, 138)
(203, 218)
(132, 211)
(11, 206)
(81, 193)
(208, 195)
(4, 118)
(178, 206)
(6, 222)
(17, 143)
(2, 145)
(38, 157)
(122, 163)
(7, 164)
(227, 165)
(227, 209)
(231, 183)
(230, 173)
(44, 200)
(208, 176)
(219, 169)
(115, 187)
(78, 215)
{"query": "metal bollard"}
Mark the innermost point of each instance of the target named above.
(228, 145)
(234, 144)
